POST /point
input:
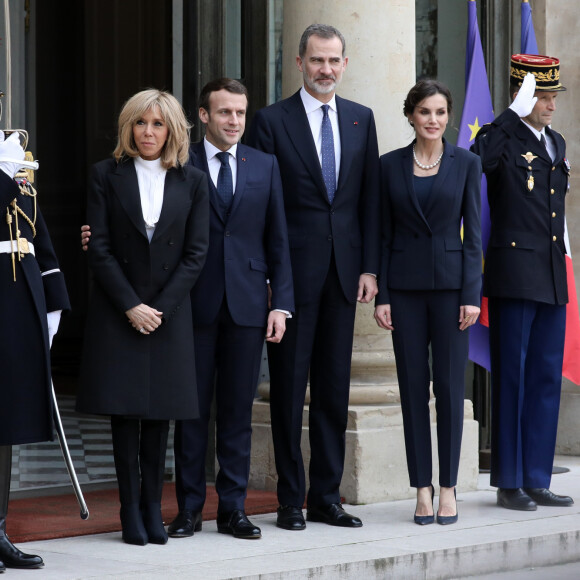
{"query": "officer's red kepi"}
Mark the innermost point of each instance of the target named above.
(546, 69)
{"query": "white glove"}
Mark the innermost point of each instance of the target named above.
(525, 101)
(10, 149)
(53, 319)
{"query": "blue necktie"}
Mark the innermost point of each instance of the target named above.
(328, 162)
(225, 184)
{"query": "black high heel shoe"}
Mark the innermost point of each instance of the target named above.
(424, 520)
(446, 520)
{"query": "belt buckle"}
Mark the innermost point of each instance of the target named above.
(23, 246)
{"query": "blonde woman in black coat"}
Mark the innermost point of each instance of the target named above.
(149, 215)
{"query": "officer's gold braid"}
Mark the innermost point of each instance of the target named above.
(27, 220)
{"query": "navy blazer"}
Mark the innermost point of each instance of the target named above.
(350, 226)
(247, 246)
(423, 250)
(526, 254)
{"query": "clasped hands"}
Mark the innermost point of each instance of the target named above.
(144, 319)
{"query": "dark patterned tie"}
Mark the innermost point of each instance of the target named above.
(328, 161)
(225, 184)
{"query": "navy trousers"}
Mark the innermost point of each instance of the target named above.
(423, 318)
(318, 340)
(527, 349)
(228, 356)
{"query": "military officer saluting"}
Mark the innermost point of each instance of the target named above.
(525, 280)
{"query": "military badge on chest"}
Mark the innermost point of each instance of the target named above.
(529, 157)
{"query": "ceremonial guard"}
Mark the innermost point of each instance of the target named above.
(32, 296)
(525, 279)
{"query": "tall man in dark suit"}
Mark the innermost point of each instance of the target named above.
(328, 155)
(525, 279)
(248, 247)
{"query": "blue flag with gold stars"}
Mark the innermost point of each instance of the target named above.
(477, 111)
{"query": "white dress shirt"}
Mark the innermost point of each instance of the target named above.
(151, 179)
(214, 163)
(313, 108)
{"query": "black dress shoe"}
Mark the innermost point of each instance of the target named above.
(185, 524)
(515, 499)
(290, 518)
(12, 557)
(238, 525)
(332, 514)
(543, 496)
(2, 567)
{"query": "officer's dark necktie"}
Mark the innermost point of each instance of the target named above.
(328, 160)
(543, 140)
(225, 184)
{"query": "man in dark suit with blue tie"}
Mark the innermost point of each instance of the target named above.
(525, 279)
(248, 248)
(327, 150)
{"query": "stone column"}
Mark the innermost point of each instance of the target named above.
(380, 71)
(554, 24)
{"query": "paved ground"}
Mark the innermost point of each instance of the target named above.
(487, 540)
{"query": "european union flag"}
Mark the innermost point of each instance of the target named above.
(528, 43)
(477, 111)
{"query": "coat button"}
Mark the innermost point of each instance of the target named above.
(329, 238)
(553, 214)
(552, 191)
(554, 238)
(228, 234)
(513, 244)
(530, 167)
(553, 169)
(165, 267)
(125, 261)
(171, 243)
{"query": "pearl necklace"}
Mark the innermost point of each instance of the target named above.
(426, 166)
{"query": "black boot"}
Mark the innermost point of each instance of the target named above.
(125, 432)
(152, 450)
(132, 523)
(10, 555)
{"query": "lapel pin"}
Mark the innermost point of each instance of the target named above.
(356, 122)
(529, 156)
(243, 158)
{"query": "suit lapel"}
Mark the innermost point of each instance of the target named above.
(127, 191)
(174, 191)
(242, 175)
(446, 163)
(300, 134)
(199, 160)
(347, 124)
(557, 144)
(408, 173)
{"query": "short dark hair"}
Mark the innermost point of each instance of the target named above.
(230, 85)
(514, 88)
(323, 31)
(423, 89)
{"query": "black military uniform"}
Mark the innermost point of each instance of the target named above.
(31, 285)
(527, 173)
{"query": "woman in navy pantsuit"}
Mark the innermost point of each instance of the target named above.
(429, 286)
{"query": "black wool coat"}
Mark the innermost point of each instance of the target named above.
(124, 372)
(39, 287)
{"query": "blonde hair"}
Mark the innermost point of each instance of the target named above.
(176, 149)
